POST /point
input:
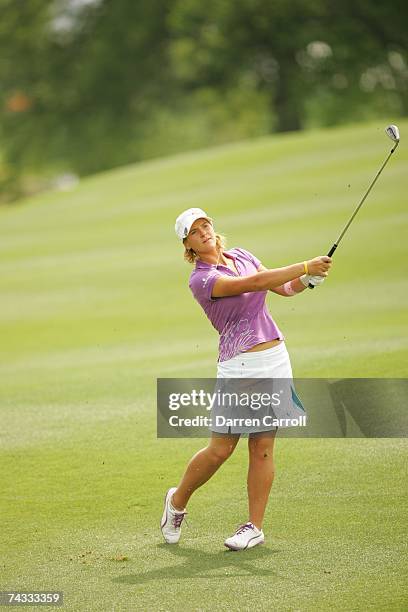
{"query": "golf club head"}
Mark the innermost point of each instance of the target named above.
(393, 132)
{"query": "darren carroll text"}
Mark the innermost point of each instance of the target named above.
(204, 421)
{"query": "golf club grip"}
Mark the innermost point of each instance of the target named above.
(329, 254)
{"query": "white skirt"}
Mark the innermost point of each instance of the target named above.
(273, 366)
(271, 363)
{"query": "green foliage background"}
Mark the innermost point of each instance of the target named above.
(87, 85)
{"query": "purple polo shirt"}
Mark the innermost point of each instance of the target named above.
(241, 320)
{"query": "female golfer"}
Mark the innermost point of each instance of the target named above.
(231, 286)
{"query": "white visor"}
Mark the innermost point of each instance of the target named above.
(186, 220)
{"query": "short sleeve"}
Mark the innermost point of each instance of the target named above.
(202, 283)
(250, 256)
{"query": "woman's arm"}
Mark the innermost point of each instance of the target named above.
(268, 279)
(295, 286)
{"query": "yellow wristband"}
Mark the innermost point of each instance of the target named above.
(305, 265)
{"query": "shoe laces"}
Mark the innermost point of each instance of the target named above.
(178, 519)
(243, 528)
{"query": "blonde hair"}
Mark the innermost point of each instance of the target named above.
(191, 256)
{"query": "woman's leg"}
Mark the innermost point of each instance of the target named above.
(260, 474)
(202, 466)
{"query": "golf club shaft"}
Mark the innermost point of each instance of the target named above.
(336, 244)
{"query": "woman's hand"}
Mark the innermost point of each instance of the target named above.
(319, 266)
(314, 280)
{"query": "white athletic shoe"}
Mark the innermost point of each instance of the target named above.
(171, 519)
(246, 536)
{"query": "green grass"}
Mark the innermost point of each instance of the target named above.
(95, 306)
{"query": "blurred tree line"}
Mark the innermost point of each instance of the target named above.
(87, 85)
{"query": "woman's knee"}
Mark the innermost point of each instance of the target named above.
(222, 451)
(261, 448)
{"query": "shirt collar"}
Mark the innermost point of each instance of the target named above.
(203, 265)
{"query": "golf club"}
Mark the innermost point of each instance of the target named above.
(393, 132)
